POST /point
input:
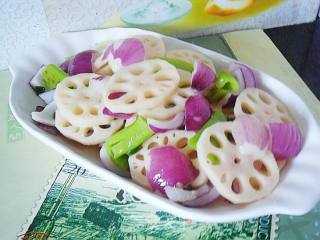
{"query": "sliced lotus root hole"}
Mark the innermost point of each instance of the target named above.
(183, 94)
(163, 85)
(255, 184)
(72, 85)
(285, 119)
(93, 111)
(229, 137)
(88, 132)
(215, 141)
(86, 97)
(170, 105)
(105, 126)
(261, 167)
(140, 157)
(116, 95)
(121, 80)
(236, 160)
(185, 79)
(165, 140)
(246, 108)
(86, 82)
(162, 77)
(156, 69)
(236, 186)
(192, 154)
(78, 110)
(130, 100)
(184, 84)
(143, 171)
(264, 98)
(149, 94)
(77, 129)
(182, 143)
(280, 109)
(136, 71)
(66, 124)
(153, 145)
(252, 98)
(213, 159)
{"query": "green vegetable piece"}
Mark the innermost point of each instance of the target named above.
(52, 75)
(125, 141)
(215, 141)
(217, 116)
(226, 83)
(178, 63)
(121, 162)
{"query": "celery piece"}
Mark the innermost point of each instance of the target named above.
(52, 75)
(178, 63)
(121, 162)
(225, 83)
(129, 138)
(217, 116)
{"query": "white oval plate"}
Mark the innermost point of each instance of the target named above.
(296, 194)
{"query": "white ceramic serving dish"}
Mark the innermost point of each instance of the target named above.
(296, 194)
